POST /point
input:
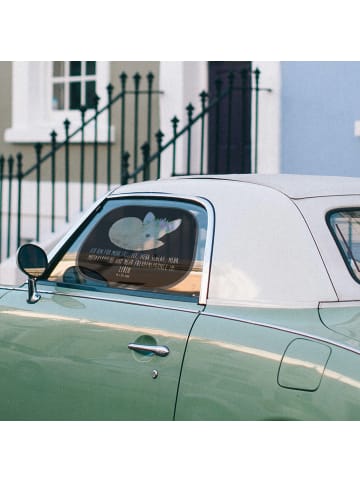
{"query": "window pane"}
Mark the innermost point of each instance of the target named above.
(75, 68)
(154, 245)
(90, 94)
(90, 68)
(75, 95)
(58, 97)
(345, 227)
(58, 69)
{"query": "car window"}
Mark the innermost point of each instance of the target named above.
(345, 227)
(154, 245)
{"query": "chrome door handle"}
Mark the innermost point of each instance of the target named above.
(155, 349)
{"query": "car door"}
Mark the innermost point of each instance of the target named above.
(106, 339)
(249, 364)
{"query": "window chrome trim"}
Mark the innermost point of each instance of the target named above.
(195, 311)
(206, 204)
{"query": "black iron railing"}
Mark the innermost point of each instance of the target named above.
(144, 161)
(224, 93)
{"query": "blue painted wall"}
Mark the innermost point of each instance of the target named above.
(319, 106)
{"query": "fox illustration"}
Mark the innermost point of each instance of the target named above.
(136, 235)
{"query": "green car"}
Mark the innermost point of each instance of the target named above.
(230, 297)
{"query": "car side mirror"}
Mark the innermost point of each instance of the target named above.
(32, 261)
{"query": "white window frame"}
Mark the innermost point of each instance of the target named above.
(33, 118)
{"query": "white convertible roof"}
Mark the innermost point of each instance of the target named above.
(295, 186)
(272, 245)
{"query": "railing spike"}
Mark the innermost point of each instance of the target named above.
(10, 163)
(203, 96)
(67, 126)
(38, 147)
(96, 101)
(123, 77)
(137, 78)
(19, 158)
(145, 148)
(175, 121)
(190, 109)
(159, 135)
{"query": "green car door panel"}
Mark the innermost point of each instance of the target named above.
(247, 370)
(67, 357)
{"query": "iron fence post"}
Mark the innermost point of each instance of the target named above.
(150, 78)
(10, 178)
(38, 147)
(82, 157)
(67, 125)
(110, 89)
(190, 110)
(146, 154)
(96, 101)
(53, 179)
(203, 97)
(19, 158)
(123, 78)
(175, 122)
(159, 136)
(137, 79)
